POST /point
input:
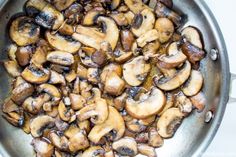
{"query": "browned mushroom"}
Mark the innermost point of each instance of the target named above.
(23, 31)
(21, 92)
(136, 6)
(127, 39)
(165, 29)
(59, 141)
(199, 101)
(154, 139)
(78, 142)
(74, 14)
(148, 104)
(42, 147)
(23, 55)
(112, 4)
(92, 15)
(60, 57)
(93, 151)
(183, 103)
(61, 4)
(12, 68)
(126, 146)
(36, 74)
(146, 150)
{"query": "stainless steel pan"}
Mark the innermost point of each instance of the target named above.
(194, 135)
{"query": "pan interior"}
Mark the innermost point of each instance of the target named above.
(193, 135)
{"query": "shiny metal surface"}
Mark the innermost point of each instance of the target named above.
(194, 135)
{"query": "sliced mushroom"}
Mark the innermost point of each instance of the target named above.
(171, 83)
(193, 36)
(78, 142)
(46, 15)
(85, 89)
(112, 4)
(62, 43)
(194, 84)
(143, 22)
(154, 139)
(50, 90)
(23, 55)
(88, 61)
(119, 102)
(127, 39)
(93, 151)
(199, 101)
(139, 125)
(9, 106)
(114, 85)
(56, 78)
(169, 102)
(169, 122)
(11, 51)
(92, 15)
(12, 68)
(112, 67)
(85, 125)
(26, 126)
(23, 31)
(136, 6)
(147, 37)
(193, 52)
(39, 56)
(60, 57)
(64, 113)
(162, 11)
(165, 29)
(98, 112)
(119, 18)
(36, 74)
(82, 71)
(93, 75)
(21, 92)
(122, 56)
(62, 4)
(42, 148)
(77, 101)
(125, 146)
(60, 142)
(34, 105)
(146, 150)
(174, 58)
(93, 38)
(136, 70)
(71, 76)
(114, 125)
(15, 118)
(184, 103)
(74, 14)
(129, 16)
(148, 104)
(40, 123)
(151, 49)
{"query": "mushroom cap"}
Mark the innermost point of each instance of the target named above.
(194, 84)
(78, 142)
(169, 122)
(171, 83)
(136, 70)
(23, 31)
(114, 122)
(126, 146)
(165, 29)
(39, 123)
(62, 43)
(148, 104)
(193, 36)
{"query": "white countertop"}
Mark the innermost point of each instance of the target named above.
(224, 143)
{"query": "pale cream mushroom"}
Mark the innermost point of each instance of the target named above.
(13, 68)
(174, 58)
(143, 22)
(184, 103)
(148, 104)
(59, 141)
(92, 37)
(94, 151)
(171, 83)
(114, 125)
(194, 84)
(125, 146)
(136, 70)
(147, 37)
(146, 150)
(165, 29)
(169, 122)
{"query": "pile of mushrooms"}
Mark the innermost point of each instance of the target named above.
(102, 78)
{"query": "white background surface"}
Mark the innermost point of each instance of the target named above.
(224, 143)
